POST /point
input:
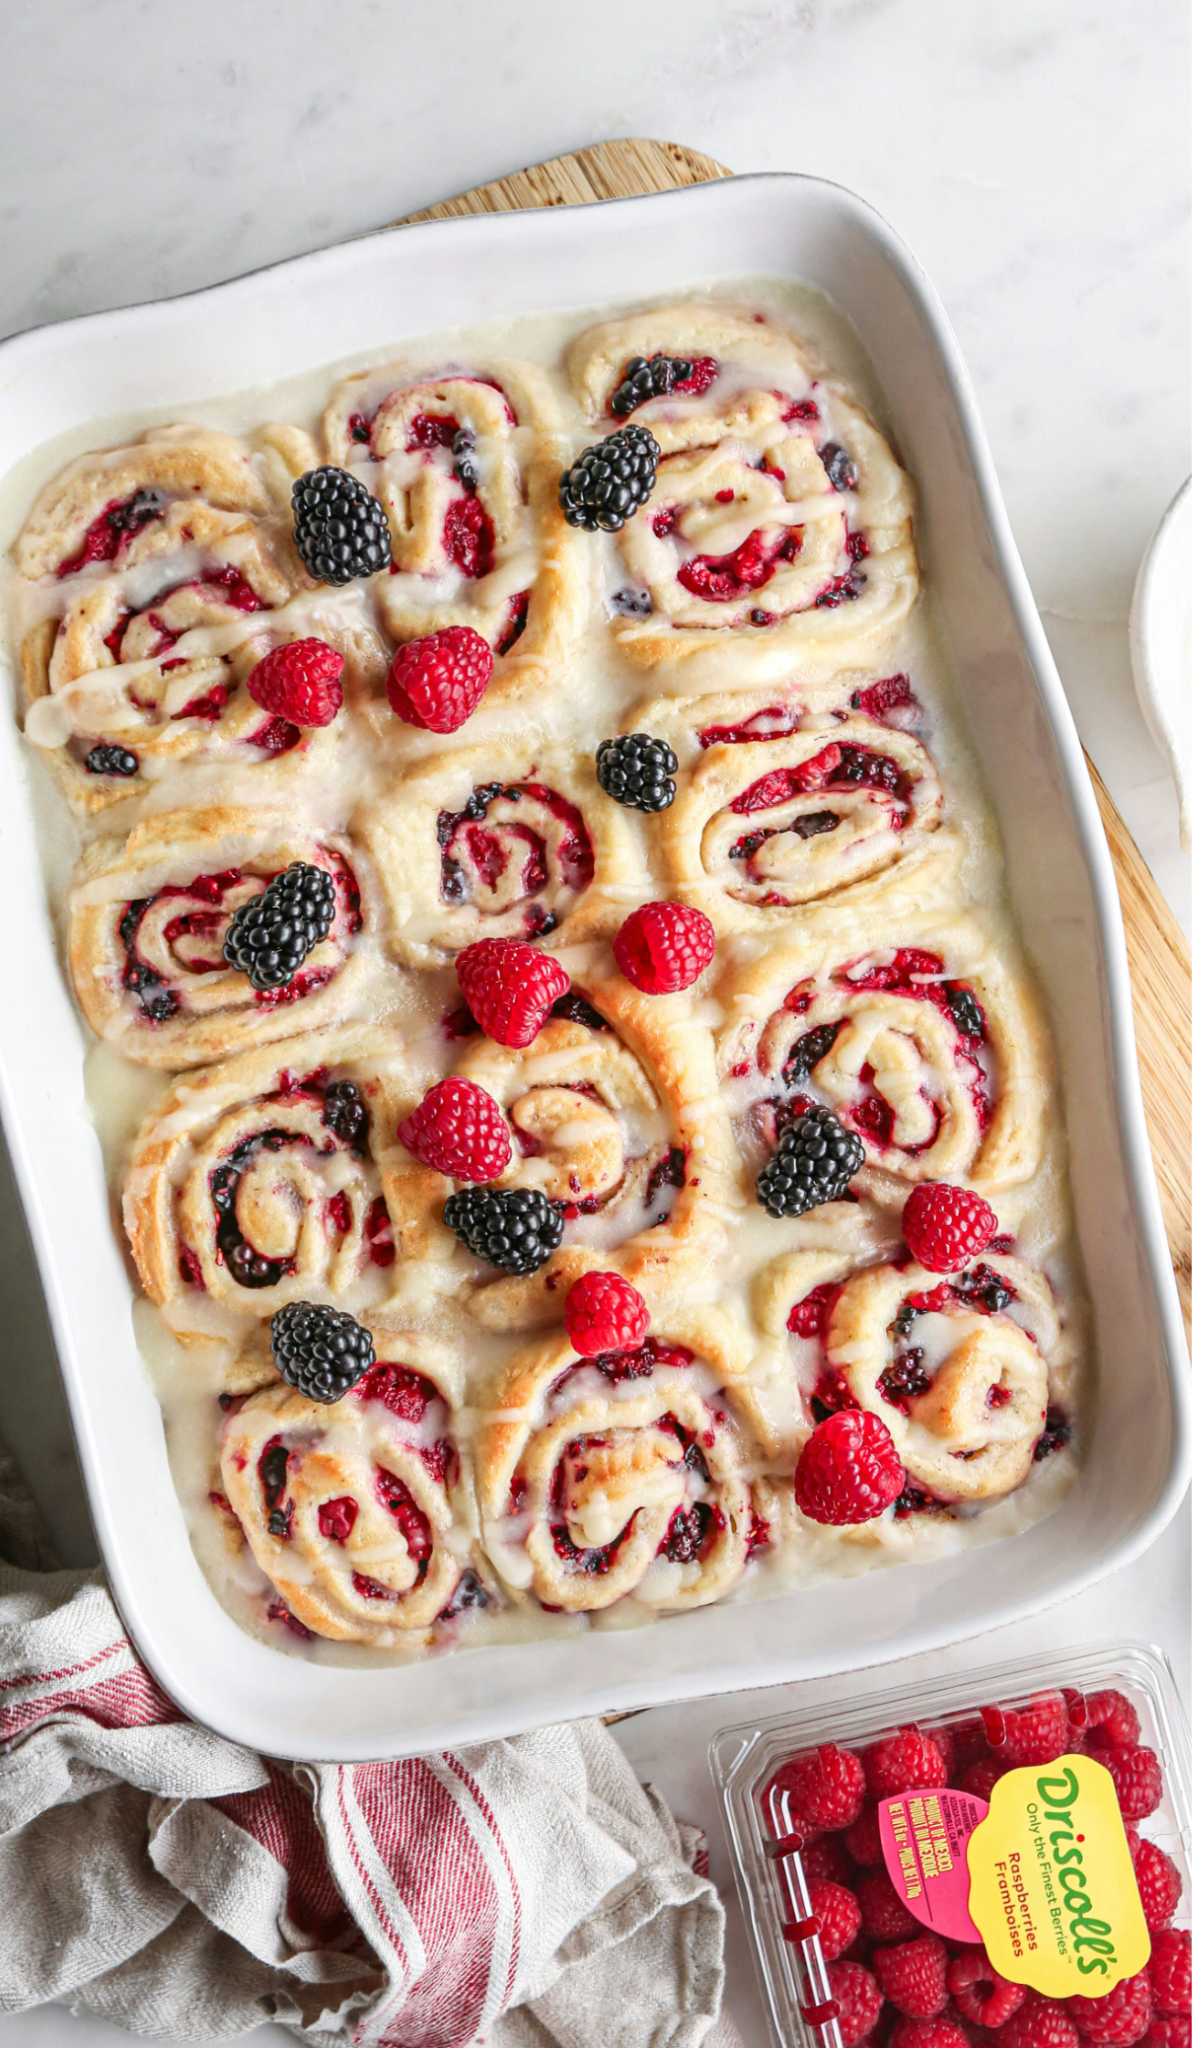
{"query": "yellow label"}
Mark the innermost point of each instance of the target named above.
(1052, 1887)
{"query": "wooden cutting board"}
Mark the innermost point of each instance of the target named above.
(1160, 965)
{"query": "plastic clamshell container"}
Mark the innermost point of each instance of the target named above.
(745, 1757)
(369, 295)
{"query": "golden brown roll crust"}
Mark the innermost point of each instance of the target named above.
(251, 1185)
(507, 839)
(477, 535)
(349, 1507)
(758, 547)
(748, 715)
(627, 1476)
(624, 1127)
(838, 1011)
(184, 463)
(148, 919)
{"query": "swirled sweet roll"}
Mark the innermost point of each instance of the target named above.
(259, 1181)
(850, 814)
(148, 918)
(631, 1475)
(465, 463)
(778, 531)
(921, 1035)
(972, 1372)
(508, 839)
(155, 577)
(350, 1508)
(615, 1117)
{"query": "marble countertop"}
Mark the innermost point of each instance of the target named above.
(1033, 157)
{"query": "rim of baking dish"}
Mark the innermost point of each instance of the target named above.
(687, 1676)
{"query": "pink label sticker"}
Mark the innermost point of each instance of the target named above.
(924, 1841)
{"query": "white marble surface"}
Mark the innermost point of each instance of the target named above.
(1034, 157)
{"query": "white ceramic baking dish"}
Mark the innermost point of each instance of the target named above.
(370, 294)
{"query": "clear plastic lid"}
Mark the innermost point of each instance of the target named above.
(779, 1854)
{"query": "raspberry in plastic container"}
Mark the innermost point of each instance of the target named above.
(1067, 1924)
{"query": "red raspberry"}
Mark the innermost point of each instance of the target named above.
(437, 683)
(1034, 1734)
(945, 1742)
(510, 988)
(863, 1840)
(300, 682)
(884, 1915)
(827, 1858)
(662, 947)
(1171, 1971)
(826, 1787)
(945, 1227)
(1173, 2031)
(1159, 1882)
(906, 1762)
(1137, 1779)
(1111, 1721)
(982, 1996)
(848, 1470)
(968, 1745)
(1121, 2017)
(981, 1777)
(937, 2033)
(458, 1129)
(838, 1914)
(859, 2000)
(1039, 2023)
(604, 1313)
(914, 1976)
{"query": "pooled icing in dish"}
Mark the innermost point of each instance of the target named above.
(808, 794)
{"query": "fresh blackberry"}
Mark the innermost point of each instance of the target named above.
(610, 481)
(514, 1228)
(814, 1163)
(320, 1351)
(840, 467)
(637, 771)
(270, 936)
(111, 761)
(340, 530)
(642, 380)
(345, 1114)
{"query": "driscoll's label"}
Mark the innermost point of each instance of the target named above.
(1042, 1875)
(1053, 1888)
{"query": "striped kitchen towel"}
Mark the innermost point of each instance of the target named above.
(524, 1893)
